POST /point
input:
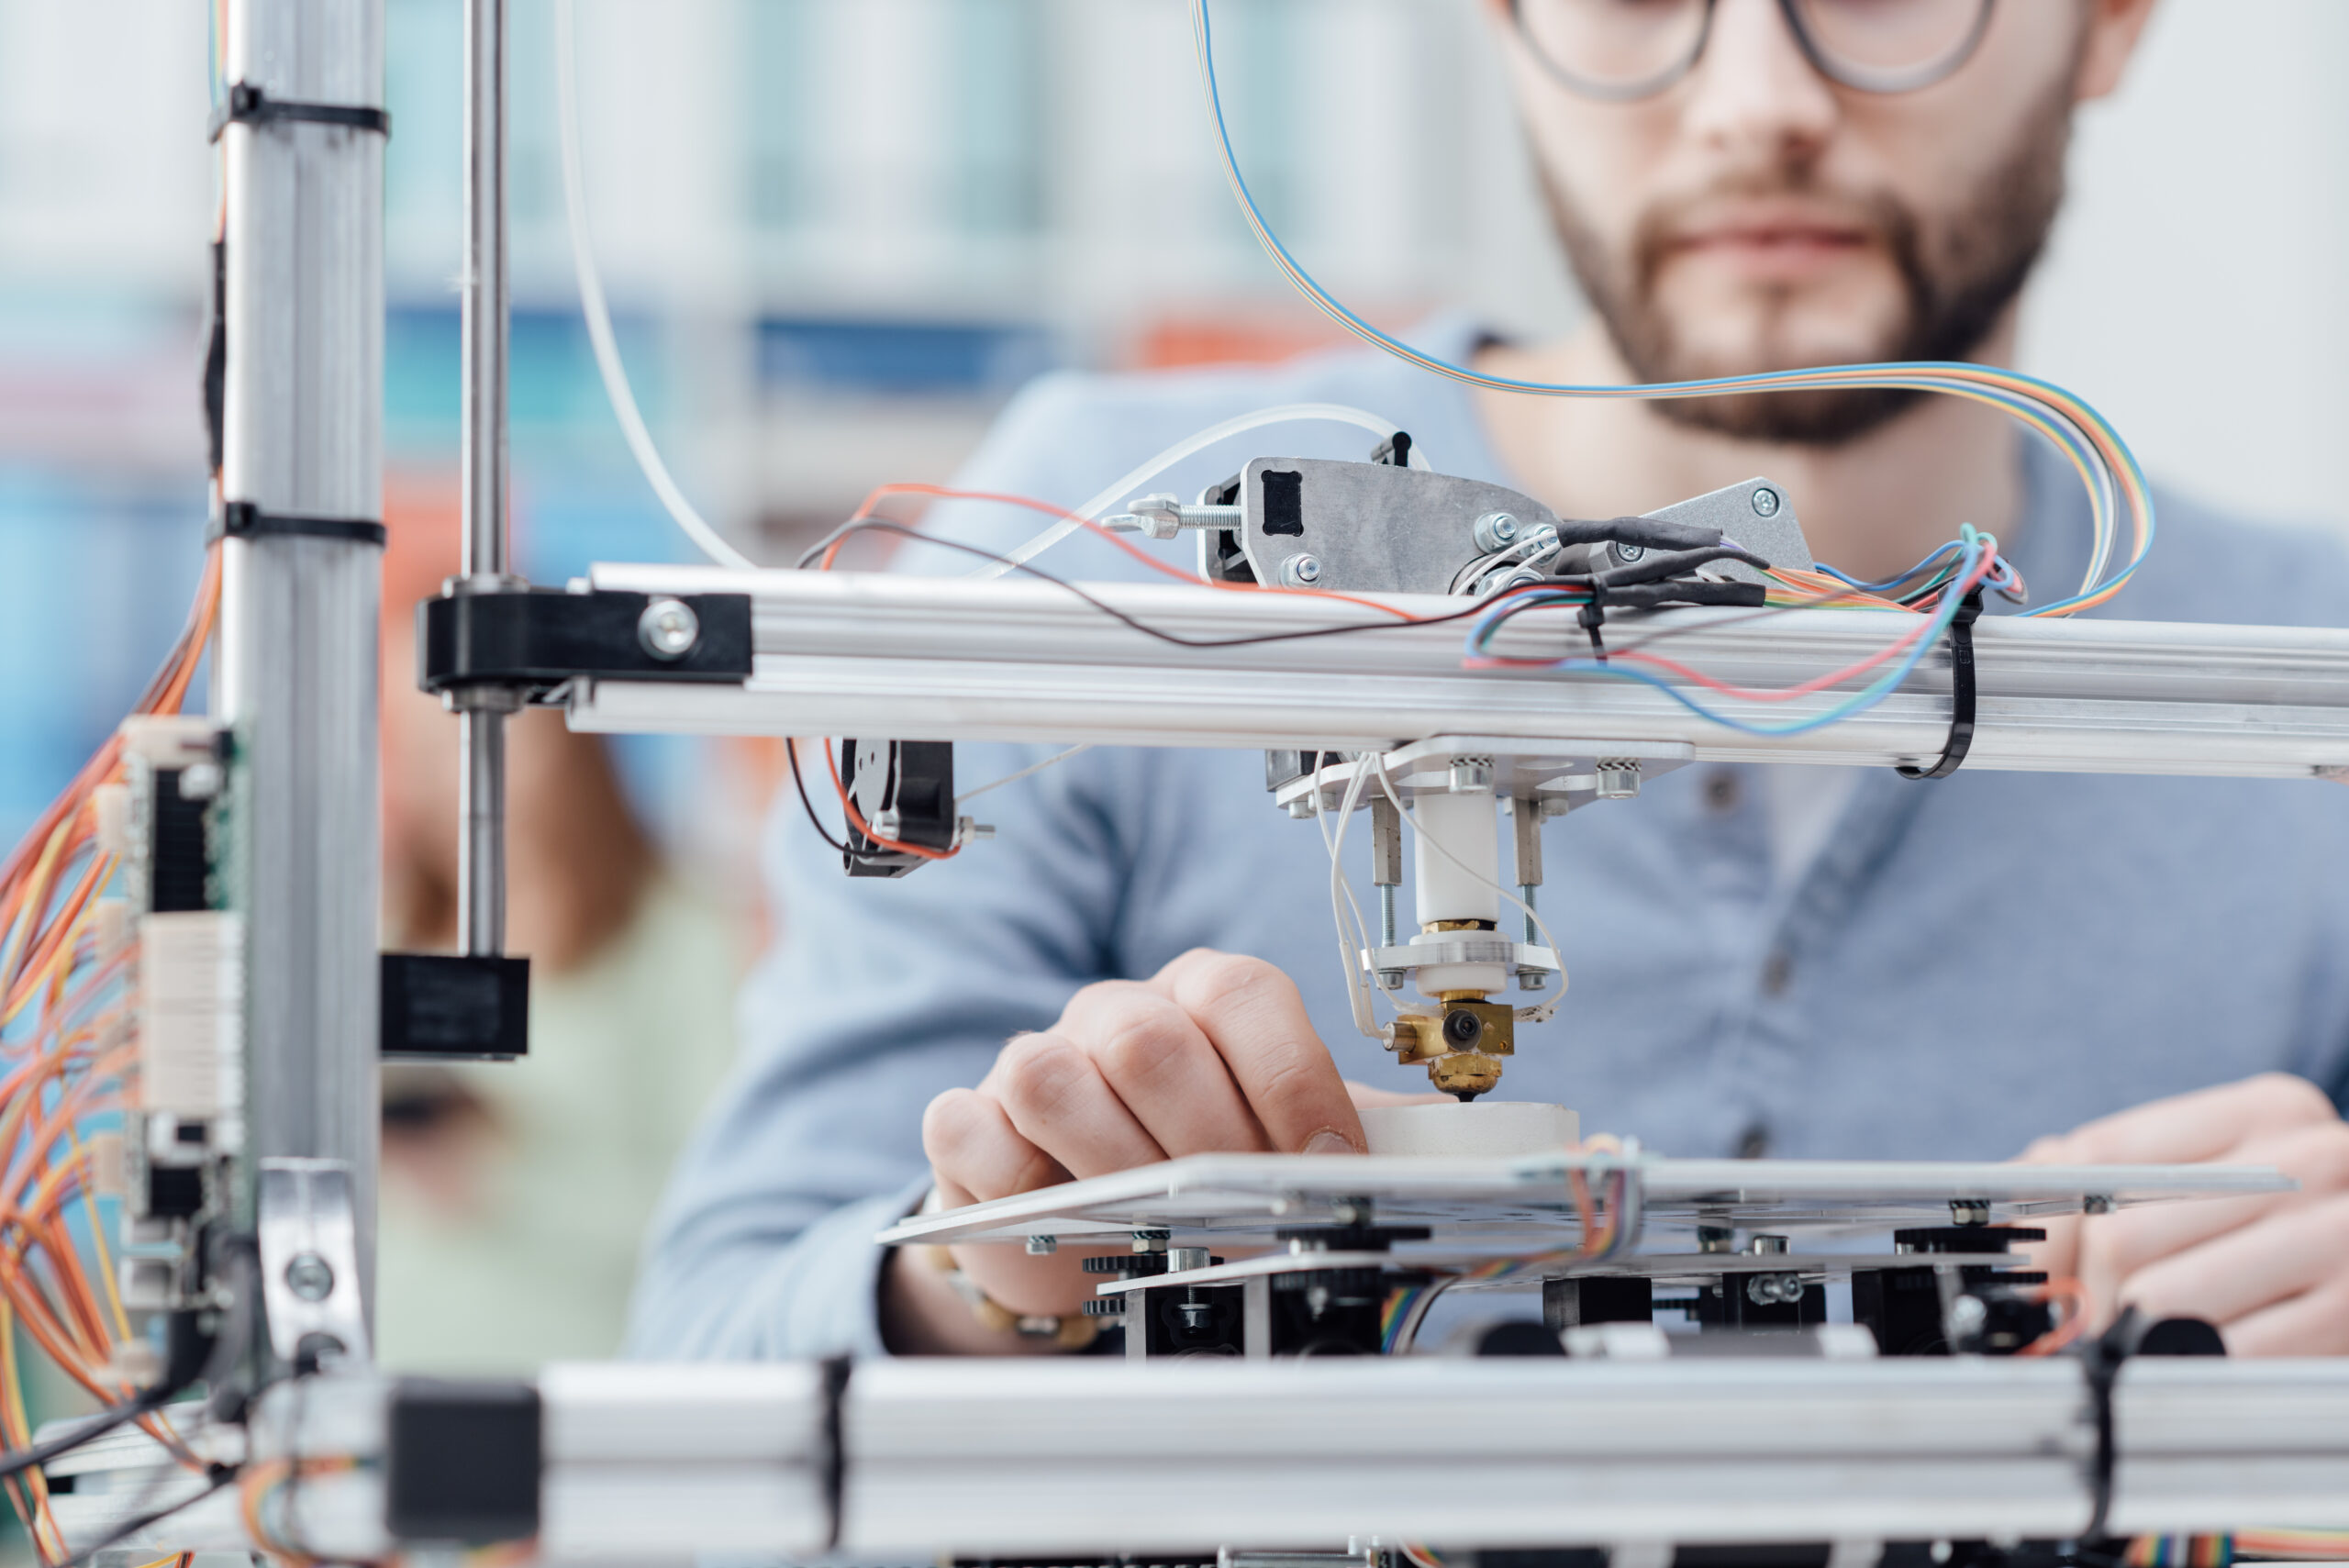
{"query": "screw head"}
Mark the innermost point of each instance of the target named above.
(1628, 553)
(1766, 502)
(668, 628)
(310, 1277)
(1301, 570)
(1497, 531)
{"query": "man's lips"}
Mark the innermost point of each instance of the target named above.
(1769, 245)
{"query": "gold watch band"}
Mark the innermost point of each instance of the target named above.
(1072, 1332)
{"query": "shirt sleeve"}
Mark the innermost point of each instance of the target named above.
(879, 994)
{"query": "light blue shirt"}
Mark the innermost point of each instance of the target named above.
(1966, 965)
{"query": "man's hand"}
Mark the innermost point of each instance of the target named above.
(1212, 1053)
(2272, 1273)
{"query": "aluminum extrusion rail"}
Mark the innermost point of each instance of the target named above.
(1088, 1456)
(950, 659)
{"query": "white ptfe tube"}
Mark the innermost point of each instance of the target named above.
(1461, 885)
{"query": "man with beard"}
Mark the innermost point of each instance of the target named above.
(1781, 960)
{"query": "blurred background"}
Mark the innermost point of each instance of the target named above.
(838, 234)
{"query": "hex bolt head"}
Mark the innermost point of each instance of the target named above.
(1766, 502)
(309, 1277)
(1495, 531)
(1469, 774)
(668, 628)
(1301, 570)
(1392, 979)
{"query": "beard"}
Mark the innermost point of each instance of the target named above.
(1958, 272)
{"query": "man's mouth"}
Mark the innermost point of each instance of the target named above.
(1769, 245)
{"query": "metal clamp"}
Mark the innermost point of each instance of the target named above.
(309, 1263)
(1463, 950)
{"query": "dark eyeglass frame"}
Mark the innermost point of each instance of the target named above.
(1823, 61)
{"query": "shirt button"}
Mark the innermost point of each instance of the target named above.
(1721, 791)
(1777, 971)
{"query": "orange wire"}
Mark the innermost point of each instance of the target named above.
(2075, 1316)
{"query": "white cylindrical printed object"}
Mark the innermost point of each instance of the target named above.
(1446, 887)
(1483, 1126)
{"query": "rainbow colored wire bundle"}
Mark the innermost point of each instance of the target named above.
(1977, 565)
(64, 1002)
(2116, 486)
(1604, 1234)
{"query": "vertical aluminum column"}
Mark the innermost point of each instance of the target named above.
(480, 843)
(297, 647)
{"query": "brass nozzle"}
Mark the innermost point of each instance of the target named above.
(1463, 1046)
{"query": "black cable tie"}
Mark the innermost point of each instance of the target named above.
(833, 1474)
(1594, 616)
(1961, 691)
(242, 519)
(2100, 1362)
(248, 104)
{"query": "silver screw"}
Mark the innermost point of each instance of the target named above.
(1042, 1246)
(1391, 978)
(1619, 778)
(310, 1277)
(2096, 1203)
(1760, 1245)
(1969, 1211)
(668, 628)
(1766, 502)
(1628, 553)
(1495, 531)
(1301, 570)
(1471, 774)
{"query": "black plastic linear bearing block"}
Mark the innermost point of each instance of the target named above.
(537, 639)
(445, 1006)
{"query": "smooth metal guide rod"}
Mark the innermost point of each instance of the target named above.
(481, 850)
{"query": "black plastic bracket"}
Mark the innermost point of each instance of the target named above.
(442, 1006)
(1960, 692)
(248, 104)
(463, 1461)
(535, 639)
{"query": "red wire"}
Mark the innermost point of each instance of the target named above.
(1048, 509)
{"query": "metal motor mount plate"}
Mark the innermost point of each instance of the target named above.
(1522, 769)
(1369, 528)
(1509, 1200)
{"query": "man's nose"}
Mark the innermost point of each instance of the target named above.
(1756, 93)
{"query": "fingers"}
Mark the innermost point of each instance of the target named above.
(976, 1154)
(2116, 1248)
(2189, 1129)
(2284, 1256)
(1164, 1069)
(1255, 1019)
(2316, 1324)
(1057, 1099)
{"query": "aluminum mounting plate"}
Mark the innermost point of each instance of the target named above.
(1502, 1201)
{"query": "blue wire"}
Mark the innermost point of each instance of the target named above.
(1972, 543)
(1882, 375)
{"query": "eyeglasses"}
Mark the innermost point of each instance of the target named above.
(1624, 50)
